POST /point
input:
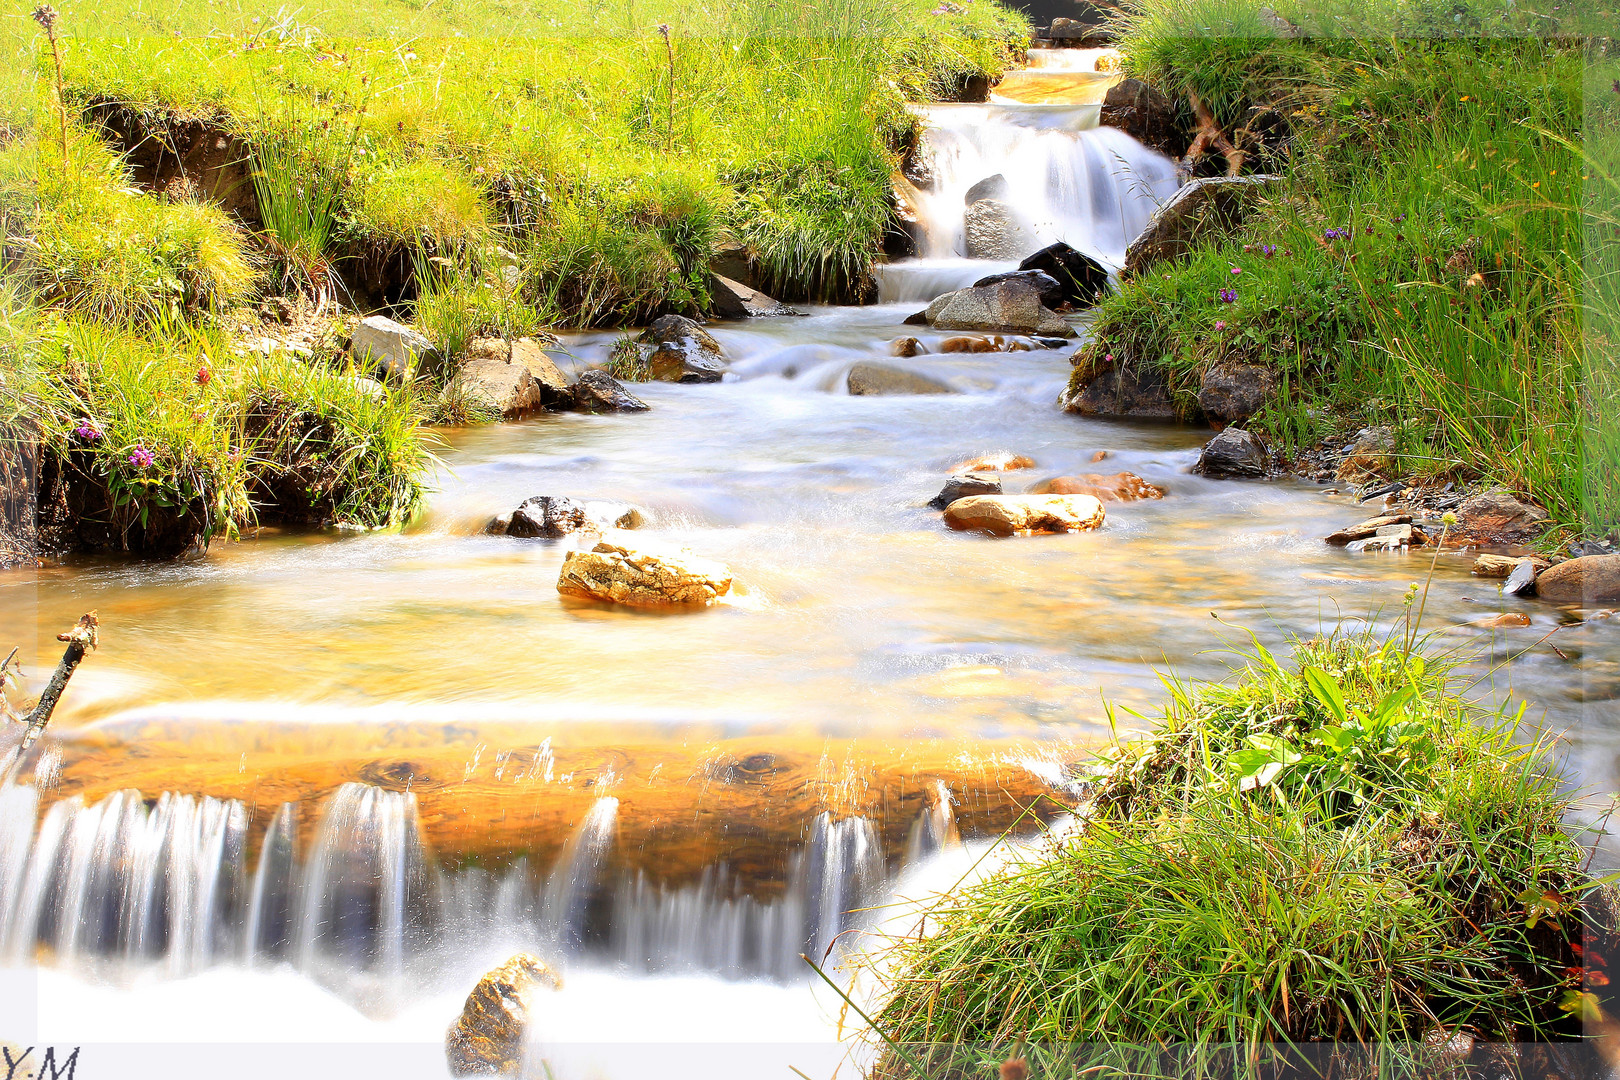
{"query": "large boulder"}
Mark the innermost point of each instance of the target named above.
(1050, 291)
(1006, 515)
(992, 231)
(1146, 115)
(965, 485)
(1090, 31)
(1120, 487)
(682, 351)
(642, 578)
(868, 379)
(991, 187)
(391, 348)
(1082, 279)
(599, 392)
(1233, 453)
(1496, 516)
(513, 381)
(487, 1039)
(1010, 307)
(1234, 392)
(1114, 390)
(1201, 211)
(1590, 579)
(734, 300)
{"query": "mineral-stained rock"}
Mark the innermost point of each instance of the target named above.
(878, 379)
(1235, 392)
(1497, 516)
(599, 392)
(1591, 579)
(964, 344)
(391, 348)
(642, 578)
(1120, 487)
(685, 363)
(1489, 565)
(906, 347)
(1233, 453)
(1369, 457)
(487, 1038)
(1005, 515)
(965, 485)
(1203, 210)
(679, 330)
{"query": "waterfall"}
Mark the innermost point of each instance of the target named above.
(935, 829)
(1066, 178)
(119, 878)
(368, 887)
(575, 878)
(168, 882)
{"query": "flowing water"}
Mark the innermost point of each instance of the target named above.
(371, 766)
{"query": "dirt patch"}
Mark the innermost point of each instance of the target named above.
(181, 158)
(77, 513)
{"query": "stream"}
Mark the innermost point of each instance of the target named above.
(283, 804)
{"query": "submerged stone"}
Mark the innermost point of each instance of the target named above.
(1006, 515)
(1120, 487)
(868, 379)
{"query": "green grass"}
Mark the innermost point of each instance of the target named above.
(1419, 148)
(1337, 848)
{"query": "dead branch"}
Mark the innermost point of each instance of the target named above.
(80, 640)
(1210, 139)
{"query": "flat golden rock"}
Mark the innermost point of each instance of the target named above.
(1007, 515)
(487, 1038)
(642, 578)
(1120, 487)
(1003, 461)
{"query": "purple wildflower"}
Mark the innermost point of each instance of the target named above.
(142, 458)
(87, 431)
(1237, 269)
(1220, 324)
(1228, 296)
(1268, 250)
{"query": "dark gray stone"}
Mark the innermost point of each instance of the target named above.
(1083, 279)
(599, 392)
(991, 187)
(547, 515)
(965, 485)
(1051, 292)
(1233, 453)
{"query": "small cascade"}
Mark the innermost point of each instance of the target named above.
(576, 878)
(845, 871)
(119, 878)
(935, 829)
(1062, 178)
(369, 888)
(1106, 60)
(367, 912)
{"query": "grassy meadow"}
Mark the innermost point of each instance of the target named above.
(1427, 264)
(484, 168)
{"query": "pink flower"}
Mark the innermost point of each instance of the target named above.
(1237, 269)
(142, 458)
(1220, 324)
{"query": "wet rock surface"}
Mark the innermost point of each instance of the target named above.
(1146, 115)
(964, 486)
(1012, 306)
(487, 1039)
(1590, 579)
(1006, 515)
(599, 392)
(1120, 391)
(636, 577)
(1120, 487)
(1051, 293)
(1370, 456)
(992, 231)
(868, 379)
(1234, 453)
(732, 299)
(1498, 516)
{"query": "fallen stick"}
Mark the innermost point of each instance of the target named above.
(81, 639)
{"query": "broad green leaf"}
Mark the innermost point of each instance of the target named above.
(1325, 688)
